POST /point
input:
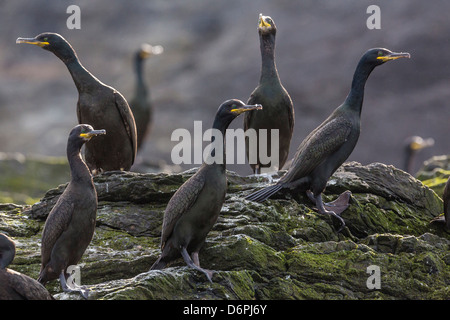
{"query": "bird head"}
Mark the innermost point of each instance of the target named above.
(83, 133)
(52, 42)
(378, 56)
(147, 50)
(266, 25)
(231, 109)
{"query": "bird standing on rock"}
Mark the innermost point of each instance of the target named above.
(195, 206)
(14, 285)
(278, 113)
(140, 104)
(322, 152)
(70, 225)
(99, 105)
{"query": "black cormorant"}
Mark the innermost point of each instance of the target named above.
(278, 110)
(15, 285)
(330, 144)
(70, 224)
(413, 145)
(140, 104)
(195, 206)
(99, 105)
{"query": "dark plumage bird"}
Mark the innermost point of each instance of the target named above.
(195, 207)
(331, 143)
(278, 110)
(99, 105)
(412, 146)
(14, 285)
(140, 104)
(70, 224)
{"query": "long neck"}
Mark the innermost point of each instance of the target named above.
(78, 168)
(268, 67)
(83, 79)
(355, 98)
(141, 87)
(221, 125)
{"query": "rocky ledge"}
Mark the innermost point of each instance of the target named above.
(281, 249)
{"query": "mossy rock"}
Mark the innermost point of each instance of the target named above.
(280, 249)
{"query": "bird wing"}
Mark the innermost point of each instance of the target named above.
(26, 287)
(181, 201)
(317, 147)
(57, 222)
(128, 119)
(291, 112)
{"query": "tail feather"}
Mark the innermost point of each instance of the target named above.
(263, 194)
(159, 264)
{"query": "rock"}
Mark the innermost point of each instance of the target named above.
(280, 249)
(435, 172)
(23, 180)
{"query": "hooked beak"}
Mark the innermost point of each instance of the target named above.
(148, 50)
(32, 41)
(263, 22)
(394, 55)
(246, 108)
(93, 133)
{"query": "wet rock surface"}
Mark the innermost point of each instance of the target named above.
(280, 249)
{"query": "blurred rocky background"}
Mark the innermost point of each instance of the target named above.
(211, 53)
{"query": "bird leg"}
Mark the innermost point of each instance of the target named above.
(193, 265)
(320, 206)
(195, 258)
(73, 287)
(338, 206)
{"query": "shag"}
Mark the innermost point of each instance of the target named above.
(195, 206)
(99, 105)
(15, 285)
(140, 104)
(322, 152)
(412, 146)
(278, 110)
(70, 225)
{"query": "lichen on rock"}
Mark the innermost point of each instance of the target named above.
(280, 249)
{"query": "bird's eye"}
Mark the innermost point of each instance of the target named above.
(380, 53)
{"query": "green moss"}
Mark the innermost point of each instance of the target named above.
(435, 179)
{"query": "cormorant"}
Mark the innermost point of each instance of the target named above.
(99, 105)
(140, 104)
(15, 285)
(412, 146)
(195, 206)
(322, 152)
(278, 110)
(70, 225)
